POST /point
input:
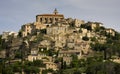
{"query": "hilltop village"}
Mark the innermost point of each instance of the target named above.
(55, 43)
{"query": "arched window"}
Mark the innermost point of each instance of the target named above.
(56, 19)
(51, 20)
(41, 20)
(46, 20)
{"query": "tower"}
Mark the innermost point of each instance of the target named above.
(55, 11)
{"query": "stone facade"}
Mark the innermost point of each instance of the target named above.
(94, 24)
(78, 22)
(56, 29)
(6, 34)
(110, 31)
(49, 18)
(51, 65)
(67, 60)
(30, 28)
(39, 25)
(39, 56)
(69, 53)
(41, 22)
(27, 29)
(2, 54)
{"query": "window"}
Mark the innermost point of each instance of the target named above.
(40, 19)
(51, 20)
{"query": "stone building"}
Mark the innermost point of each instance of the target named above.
(49, 18)
(6, 34)
(56, 29)
(40, 56)
(42, 21)
(39, 25)
(67, 60)
(51, 65)
(30, 28)
(34, 51)
(94, 24)
(27, 29)
(69, 53)
(2, 54)
(78, 22)
(110, 31)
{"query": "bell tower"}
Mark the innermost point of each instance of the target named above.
(55, 11)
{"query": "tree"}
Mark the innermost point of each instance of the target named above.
(100, 47)
(75, 62)
(117, 68)
(1, 42)
(47, 71)
(38, 63)
(77, 72)
(0, 39)
(93, 39)
(43, 31)
(17, 67)
(20, 33)
(89, 27)
(85, 38)
(18, 55)
(8, 70)
(64, 65)
(29, 67)
(97, 29)
(39, 38)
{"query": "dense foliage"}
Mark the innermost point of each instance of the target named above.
(17, 67)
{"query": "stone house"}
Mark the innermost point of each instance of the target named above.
(70, 45)
(51, 65)
(34, 51)
(94, 24)
(82, 46)
(36, 55)
(67, 60)
(69, 20)
(85, 47)
(56, 29)
(78, 22)
(32, 57)
(59, 44)
(69, 53)
(2, 54)
(45, 43)
(27, 29)
(39, 25)
(30, 28)
(6, 34)
(84, 31)
(39, 56)
(110, 31)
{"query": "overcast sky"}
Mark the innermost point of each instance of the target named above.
(14, 13)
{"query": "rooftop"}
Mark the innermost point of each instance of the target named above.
(55, 13)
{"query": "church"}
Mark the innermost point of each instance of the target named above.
(41, 22)
(49, 18)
